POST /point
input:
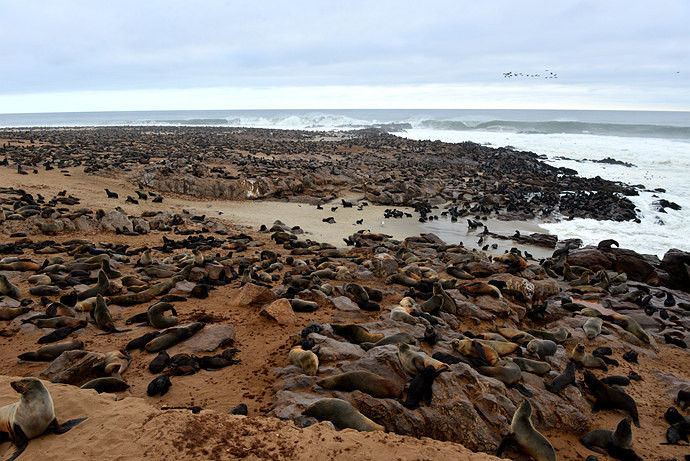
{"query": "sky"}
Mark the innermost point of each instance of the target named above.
(73, 55)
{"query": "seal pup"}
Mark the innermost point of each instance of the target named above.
(31, 416)
(342, 414)
(542, 347)
(610, 397)
(308, 361)
(159, 385)
(526, 436)
(106, 384)
(420, 387)
(364, 381)
(622, 437)
(587, 360)
(561, 381)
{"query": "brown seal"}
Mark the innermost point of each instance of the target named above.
(364, 381)
(31, 416)
(526, 436)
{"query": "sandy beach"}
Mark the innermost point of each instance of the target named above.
(131, 425)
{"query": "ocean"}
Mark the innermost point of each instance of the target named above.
(654, 145)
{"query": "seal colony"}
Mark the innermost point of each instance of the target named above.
(416, 337)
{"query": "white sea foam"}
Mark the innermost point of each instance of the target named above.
(656, 143)
(658, 163)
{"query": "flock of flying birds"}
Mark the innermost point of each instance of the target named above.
(547, 74)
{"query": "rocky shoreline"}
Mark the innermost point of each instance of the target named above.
(244, 314)
(316, 167)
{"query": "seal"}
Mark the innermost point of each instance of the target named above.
(475, 289)
(557, 336)
(414, 362)
(57, 322)
(116, 362)
(532, 366)
(159, 363)
(564, 379)
(172, 336)
(159, 385)
(516, 336)
(342, 415)
(587, 360)
(610, 397)
(156, 317)
(100, 288)
(106, 384)
(420, 387)
(396, 338)
(592, 327)
(102, 317)
(306, 360)
(542, 347)
(31, 416)
(356, 334)
(622, 437)
(151, 292)
(140, 342)
(9, 313)
(50, 353)
(631, 325)
(7, 288)
(364, 381)
(403, 314)
(476, 349)
(505, 371)
(60, 333)
(526, 436)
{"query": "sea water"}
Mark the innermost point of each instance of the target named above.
(655, 144)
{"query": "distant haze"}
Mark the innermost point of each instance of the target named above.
(164, 55)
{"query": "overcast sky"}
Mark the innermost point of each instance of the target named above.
(145, 55)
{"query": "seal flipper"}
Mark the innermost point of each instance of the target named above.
(20, 440)
(66, 426)
(522, 390)
(589, 447)
(506, 441)
(479, 348)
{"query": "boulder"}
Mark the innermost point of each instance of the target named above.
(591, 258)
(280, 311)
(677, 264)
(253, 295)
(114, 220)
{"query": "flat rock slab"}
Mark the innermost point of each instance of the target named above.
(210, 338)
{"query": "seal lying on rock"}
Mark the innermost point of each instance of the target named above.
(364, 381)
(342, 415)
(31, 416)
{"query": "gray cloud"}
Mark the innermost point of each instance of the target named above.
(125, 45)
